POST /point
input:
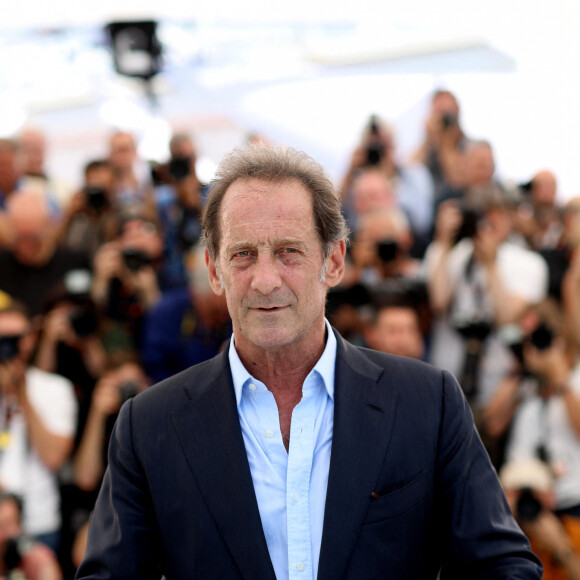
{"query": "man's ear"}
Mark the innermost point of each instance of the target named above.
(335, 264)
(214, 279)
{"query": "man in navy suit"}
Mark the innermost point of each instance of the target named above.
(293, 454)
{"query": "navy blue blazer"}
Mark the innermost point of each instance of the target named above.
(411, 489)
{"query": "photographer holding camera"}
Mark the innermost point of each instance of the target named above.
(125, 283)
(90, 219)
(38, 414)
(546, 428)
(21, 556)
(410, 184)
(444, 144)
(117, 385)
(477, 285)
(179, 197)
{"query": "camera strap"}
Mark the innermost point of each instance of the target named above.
(541, 451)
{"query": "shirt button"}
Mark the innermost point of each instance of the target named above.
(300, 566)
(269, 433)
(295, 497)
(252, 387)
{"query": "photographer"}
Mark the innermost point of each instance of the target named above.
(90, 219)
(476, 285)
(116, 386)
(125, 283)
(410, 184)
(546, 427)
(179, 199)
(38, 415)
(443, 148)
(20, 556)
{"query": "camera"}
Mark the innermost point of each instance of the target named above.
(470, 219)
(128, 390)
(13, 550)
(135, 259)
(541, 338)
(375, 150)
(96, 197)
(9, 347)
(387, 250)
(83, 321)
(179, 167)
(527, 506)
(449, 120)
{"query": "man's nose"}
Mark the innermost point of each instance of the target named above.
(266, 276)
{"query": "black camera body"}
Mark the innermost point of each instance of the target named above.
(9, 347)
(96, 197)
(179, 167)
(528, 507)
(83, 321)
(449, 120)
(541, 338)
(135, 259)
(387, 250)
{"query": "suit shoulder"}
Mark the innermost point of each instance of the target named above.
(392, 363)
(184, 386)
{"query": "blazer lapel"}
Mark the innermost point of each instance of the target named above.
(210, 433)
(363, 418)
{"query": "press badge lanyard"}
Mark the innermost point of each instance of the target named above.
(7, 412)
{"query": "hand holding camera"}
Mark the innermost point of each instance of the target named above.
(448, 223)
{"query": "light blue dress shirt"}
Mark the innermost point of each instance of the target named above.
(290, 486)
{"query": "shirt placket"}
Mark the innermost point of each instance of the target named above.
(300, 455)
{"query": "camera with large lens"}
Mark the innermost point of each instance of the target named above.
(387, 250)
(179, 167)
(541, 338)
(528, 508)
(96, 197)
(135, 259)
(83, 321)
(9, 347)
(375, 149)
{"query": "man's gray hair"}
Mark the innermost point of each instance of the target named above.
(275, 164)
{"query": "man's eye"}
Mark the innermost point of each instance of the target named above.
(242, 254)
(290, 251)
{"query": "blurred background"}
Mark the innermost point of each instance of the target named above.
(305, 73)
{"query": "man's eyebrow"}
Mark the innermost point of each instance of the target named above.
(238, 246)
(290, 242)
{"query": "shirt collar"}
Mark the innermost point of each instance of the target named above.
(324, 367)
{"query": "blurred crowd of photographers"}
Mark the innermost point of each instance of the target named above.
(104, 292)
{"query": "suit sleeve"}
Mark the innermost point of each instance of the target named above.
(484, 540)
(123, 540)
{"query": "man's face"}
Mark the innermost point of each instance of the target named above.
(123, 151)
(397, 332)
(271, 264)
(102, 177)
